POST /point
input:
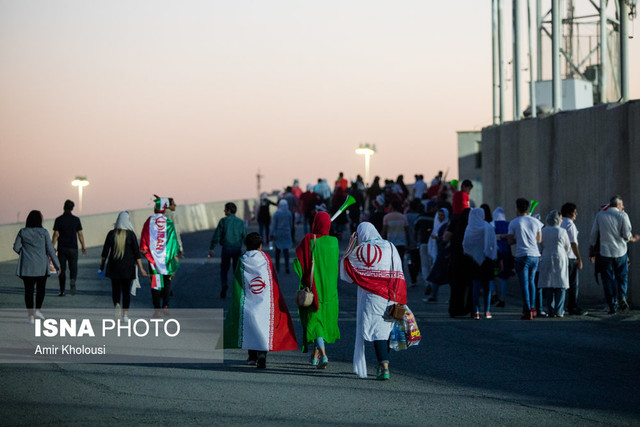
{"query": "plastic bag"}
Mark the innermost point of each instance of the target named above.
(405, 333)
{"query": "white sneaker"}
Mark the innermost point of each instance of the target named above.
(125, 319)
(39, 314)
(118, 311)
(30, 320)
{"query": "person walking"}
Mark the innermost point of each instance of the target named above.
(613, 229)
(374, 265)
(230, 234)
(505, 258)
(524, 232)
(480, 245)
(554, 264)
(67, 230)
(121, 253)
(569, 212)
(281, 233)
(317, 266)
(159, 244)
(34, 248)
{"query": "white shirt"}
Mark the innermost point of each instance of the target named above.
(525, 229)
(419, 187)
(614, 229)
(572, 231)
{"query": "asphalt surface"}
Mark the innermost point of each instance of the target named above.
(504, 371)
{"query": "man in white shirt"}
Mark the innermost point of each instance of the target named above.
(419, 187)
(613, 228)
(569, 214)
(525, 233)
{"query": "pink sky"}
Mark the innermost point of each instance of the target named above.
(190, 98)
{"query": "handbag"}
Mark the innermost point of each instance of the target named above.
(304, 296)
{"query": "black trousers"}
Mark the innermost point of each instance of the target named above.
(67, 256)
(121, 287)
(29, 283)
(160, 297)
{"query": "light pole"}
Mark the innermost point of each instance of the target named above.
(80, 182)
(368, 151)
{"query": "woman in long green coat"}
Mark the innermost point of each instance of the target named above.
(318, 253)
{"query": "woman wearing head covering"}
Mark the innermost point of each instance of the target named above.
(281, 233)
(122, 250)
(439, 251)
(479, 243)
(34, 248)
(554, 264)
(375, 266)
(505, 258)
(317, 266)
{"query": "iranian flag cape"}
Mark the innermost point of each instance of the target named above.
(159, 242)
(258, 318)
(375, 266)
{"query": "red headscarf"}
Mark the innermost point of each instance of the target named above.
(321, 227)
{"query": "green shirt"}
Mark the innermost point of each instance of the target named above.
(230, 233)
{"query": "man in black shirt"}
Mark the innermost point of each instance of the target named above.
(67, 229)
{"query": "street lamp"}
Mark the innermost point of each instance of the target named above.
(80, 181)
(367, 151)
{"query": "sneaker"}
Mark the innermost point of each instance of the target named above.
(223, 292)
(39, 314)
(487, 315)
(262, 362)
(559, 315)
(252, 362)
(30, 320)
(323, 362)
(476, 316)
(117, 311)
(383, 374)
(61, 294)
(542, 313)
(500, 304)
(125, 319)
(623, 305)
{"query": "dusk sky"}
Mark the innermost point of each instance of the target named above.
(191, 98)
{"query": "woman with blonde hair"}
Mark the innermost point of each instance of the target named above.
(123, 254)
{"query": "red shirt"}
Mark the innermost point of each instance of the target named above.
(460, 202)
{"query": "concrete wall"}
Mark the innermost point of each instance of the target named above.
(195, 217)
(584, 156)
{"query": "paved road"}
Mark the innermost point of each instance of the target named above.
(571, 371)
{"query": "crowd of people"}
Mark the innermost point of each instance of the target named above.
(434, 229)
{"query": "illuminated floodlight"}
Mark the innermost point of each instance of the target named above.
(367, 151)
(80, 182)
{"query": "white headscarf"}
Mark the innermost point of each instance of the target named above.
(498, 214)
(479, 238)
(553, 219)
(432, 244)
(123, 222)
(366, 231)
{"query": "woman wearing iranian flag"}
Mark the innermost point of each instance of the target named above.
(159, 244)
(374, 265)
(317, 266)
(258, 319)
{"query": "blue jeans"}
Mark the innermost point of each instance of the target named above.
(555, 300)
(526, 267)
(615, 272)
(476, 295)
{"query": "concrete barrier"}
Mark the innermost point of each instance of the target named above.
(583, 156)
(196, 217)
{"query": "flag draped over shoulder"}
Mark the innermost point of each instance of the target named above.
(375, 266)
(258, 318)
(159, 242)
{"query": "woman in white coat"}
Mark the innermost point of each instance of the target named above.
(554, 264)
